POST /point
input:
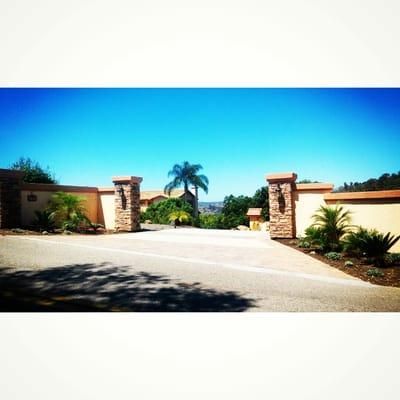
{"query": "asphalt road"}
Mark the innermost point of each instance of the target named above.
(176, 270)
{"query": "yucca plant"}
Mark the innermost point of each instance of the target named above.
(334, 223)
(68, 210)
(44, 221)
(179, 217)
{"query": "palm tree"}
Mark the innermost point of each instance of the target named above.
(334, 223)
(68, 210)
(187, 174)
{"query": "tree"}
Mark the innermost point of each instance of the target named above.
(334, 223)
(234, 211)
(186, 174)
(158, 213)
(384, 182)
(261, 200)
(307, 181)
(33, 172)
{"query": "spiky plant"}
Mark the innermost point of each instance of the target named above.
(376, 247)
(354, 242)
(187, 174)
(315, 236)
(334, 223)
(44, 221)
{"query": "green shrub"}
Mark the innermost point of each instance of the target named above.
(371, 244)
(375, 272)
(159, 212)
(210, 221)
(334, 223)
(315, 236)
(304, 243)
(332, 255)
(393, 258)
(44, 221)
(349, 263)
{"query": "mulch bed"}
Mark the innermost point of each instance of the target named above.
(359, 270)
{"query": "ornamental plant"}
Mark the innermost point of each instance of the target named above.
(334, 224)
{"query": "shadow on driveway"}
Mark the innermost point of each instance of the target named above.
(104, 287)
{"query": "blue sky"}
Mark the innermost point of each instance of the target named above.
(88, 135)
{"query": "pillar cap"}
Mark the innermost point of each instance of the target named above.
(282, 177)
(127, 179)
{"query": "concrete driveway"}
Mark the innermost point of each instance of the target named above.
(176, 270)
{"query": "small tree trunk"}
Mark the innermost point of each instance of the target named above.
(196, 201)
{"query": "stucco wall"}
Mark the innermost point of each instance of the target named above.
(44, 196)
(382, 213)
(306, 203)
(107, 209)
(383, 216)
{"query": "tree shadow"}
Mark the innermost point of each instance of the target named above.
(105, 287)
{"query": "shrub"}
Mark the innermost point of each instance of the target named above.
(373, 245)
(334, 223)
(210, 221)
(160, 212)
(44, 221)
(303, 243)
(332, 255)
(375, 272)
(315, 236)
(348, 263)
(393, 258)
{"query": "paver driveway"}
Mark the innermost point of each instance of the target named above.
(179, 270)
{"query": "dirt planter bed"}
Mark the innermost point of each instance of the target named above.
(359, 269)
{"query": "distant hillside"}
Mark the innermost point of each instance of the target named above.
(210, 207)
(384, 182)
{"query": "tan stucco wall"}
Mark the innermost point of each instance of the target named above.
(43, 198)
(107, 210)
(306, 203)
(383, 215)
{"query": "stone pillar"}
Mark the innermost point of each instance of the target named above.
(127, 203)
(10, 198)
(282, 218)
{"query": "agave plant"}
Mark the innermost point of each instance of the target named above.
(44, 221)
(334, 223)
(179, 217)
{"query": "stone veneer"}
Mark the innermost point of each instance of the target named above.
(10, 198)
(127, 203)
(281, 205)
